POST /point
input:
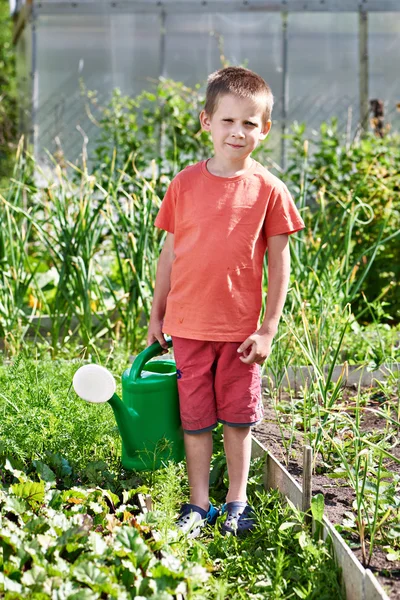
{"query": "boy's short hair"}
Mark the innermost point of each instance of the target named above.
(241, 82)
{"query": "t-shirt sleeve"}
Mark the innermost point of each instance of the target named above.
(165, 218)
(282, 214)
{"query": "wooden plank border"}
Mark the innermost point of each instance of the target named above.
(296, 377)
(358, 583)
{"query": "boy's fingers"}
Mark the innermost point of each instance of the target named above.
(151, 339)
(251, 357)
(245, 345)
(161, 340)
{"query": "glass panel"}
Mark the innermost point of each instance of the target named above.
(106, 51)
(194, 46)
(69, 47)
(135, 48)
(190, 52)
(323, 67)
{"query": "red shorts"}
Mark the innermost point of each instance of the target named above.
(214, 385)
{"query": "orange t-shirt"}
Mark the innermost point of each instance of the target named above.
(220, 227)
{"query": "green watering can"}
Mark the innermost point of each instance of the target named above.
(148, 414)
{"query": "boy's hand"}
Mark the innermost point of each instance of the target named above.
(256, 348)
(155, 334)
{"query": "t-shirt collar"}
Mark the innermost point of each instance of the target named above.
(247, 173)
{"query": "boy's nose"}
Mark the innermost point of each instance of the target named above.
(237, 133)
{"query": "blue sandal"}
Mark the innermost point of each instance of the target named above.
(192, 518)
(239, 518)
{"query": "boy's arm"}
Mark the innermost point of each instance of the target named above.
(161, 290)
(257, 347)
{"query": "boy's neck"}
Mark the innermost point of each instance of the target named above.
(222, 168)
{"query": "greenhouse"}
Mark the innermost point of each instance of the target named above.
(319, 57)
(200, 299)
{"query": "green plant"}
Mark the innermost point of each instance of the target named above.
(376, 501)
(16, 274)
(320, 341)
(86, 249)
(71, 234)
(136, 245)
(287, 420)
(90, 257)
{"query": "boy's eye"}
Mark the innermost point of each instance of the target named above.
(249, 123)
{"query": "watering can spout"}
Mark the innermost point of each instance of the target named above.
(127, 421)
(95, 384)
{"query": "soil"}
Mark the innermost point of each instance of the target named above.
(338, 495)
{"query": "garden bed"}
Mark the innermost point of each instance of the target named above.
(339, 495)
(71, 524)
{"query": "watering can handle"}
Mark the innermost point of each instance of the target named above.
(144, 357)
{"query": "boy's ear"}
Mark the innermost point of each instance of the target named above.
(205, 121)
(265, 130)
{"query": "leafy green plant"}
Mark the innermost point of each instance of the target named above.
(102, 250)
(87, 249)
(16, 275)
(162, 126)
(70, 233)
(317, 511)
(363, 178)
(82, 543)
(136, 245)
(376, 501)
(320, 341)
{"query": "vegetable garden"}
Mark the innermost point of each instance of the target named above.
(78, 254)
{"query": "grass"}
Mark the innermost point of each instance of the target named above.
(41, 414)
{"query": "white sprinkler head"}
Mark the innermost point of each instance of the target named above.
(94, 383)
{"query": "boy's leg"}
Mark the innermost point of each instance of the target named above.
(237, 443)
(239, 405)
(194, 361)
(198, 447)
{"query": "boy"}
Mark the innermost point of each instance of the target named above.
(221, 215)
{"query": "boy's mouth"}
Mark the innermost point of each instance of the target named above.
(235, 145)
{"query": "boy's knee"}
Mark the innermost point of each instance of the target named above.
(236, 430)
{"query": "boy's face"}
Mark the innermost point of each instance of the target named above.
(236, 127)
